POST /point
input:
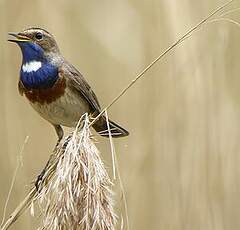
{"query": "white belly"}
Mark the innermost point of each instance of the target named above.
(66, 110)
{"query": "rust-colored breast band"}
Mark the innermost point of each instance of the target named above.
(44, 96)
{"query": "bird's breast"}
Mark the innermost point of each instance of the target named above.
(65, 110)
(58, 104)
(44, 96)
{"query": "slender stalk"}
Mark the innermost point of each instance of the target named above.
(163, 54)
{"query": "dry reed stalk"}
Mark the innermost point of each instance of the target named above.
(78, 195)
(163, 54)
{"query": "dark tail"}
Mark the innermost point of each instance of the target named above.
(102, 128)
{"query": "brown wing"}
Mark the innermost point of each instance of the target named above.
(77, 83)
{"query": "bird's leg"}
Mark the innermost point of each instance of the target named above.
(60, 134)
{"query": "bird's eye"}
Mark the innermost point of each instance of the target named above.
(39, 36)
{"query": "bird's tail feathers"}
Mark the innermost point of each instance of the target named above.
(116, 130)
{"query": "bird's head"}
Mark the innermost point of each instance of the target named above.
(36, 44)
(41, 57)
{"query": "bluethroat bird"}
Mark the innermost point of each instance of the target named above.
(54, 87)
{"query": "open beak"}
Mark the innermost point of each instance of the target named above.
(18, 38)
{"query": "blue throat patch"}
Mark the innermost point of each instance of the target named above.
(45, 76)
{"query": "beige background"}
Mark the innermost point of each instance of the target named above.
(180, 165)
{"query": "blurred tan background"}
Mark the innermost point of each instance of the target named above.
(180, 165)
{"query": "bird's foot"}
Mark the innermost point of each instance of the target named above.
(40, 179)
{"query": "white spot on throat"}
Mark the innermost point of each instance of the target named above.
(31, 66)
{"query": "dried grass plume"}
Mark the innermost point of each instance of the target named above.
(78, 195)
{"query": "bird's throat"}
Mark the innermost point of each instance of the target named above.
(31, 66)
(38, 75)
(37, 72)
